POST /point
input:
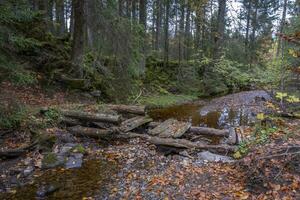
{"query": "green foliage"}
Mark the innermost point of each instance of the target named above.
(12, 115)
(23, 44)
(52, 115)
(78, 149)
(15, 72)
(166, 100)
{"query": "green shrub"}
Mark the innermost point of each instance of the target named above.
(12, 115)
(15, 72)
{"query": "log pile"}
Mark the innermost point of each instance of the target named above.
(170, 133)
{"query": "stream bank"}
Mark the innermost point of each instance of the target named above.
(134, 168)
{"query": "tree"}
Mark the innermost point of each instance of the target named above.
(166, 28)
(219, 37)
(281, 26)
(60, 17)
(143, 13)
(78, 37)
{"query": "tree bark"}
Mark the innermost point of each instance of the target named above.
(91, 117)
(159, 10)
(166, 39)
(143, 13)
(90, 132)
(138, 110)
(78, 37)
(219, 37)
(209, 131)
(281, 27)
(60, 17)
(249, 6)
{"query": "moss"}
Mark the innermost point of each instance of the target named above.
(166, 100)
(49, 159)
(78, 149)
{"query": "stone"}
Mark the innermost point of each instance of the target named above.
(207, 156)
(74, 161)
(52, 160)
(28, 170)
(45, 190)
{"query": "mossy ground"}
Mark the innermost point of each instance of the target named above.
(160, 101)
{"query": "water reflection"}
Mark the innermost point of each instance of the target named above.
(224, 118)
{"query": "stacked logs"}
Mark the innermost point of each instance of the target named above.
(170, 133)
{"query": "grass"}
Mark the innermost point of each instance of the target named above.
(165, 100)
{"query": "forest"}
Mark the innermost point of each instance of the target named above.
(149, 99)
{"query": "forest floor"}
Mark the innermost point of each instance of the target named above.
(136, 169)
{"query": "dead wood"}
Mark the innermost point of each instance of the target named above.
(138, 110)
(92, 117)
(90, 132)
(133, 123)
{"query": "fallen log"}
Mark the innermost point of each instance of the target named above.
(209, 131)
(13, 153)
(200, 130)
(182, 143)
(117, 134)
(92, 117)
(138, 110)
(70, 122)
(133, 123)
(91, 132)
(170, 128)
(289, 115)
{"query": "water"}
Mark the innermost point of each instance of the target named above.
(87, 181)
(223, 118)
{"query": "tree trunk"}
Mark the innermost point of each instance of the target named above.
(134, 16)
(78, 37)
(143, 13)
(159, 10)
(252, 37)
(60, 17)
(219, 37)
(187, 36)
(282, 23)
(249, 6)
(181, 32)
(166, 42)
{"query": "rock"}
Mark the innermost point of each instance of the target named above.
(74, 161)
(45, 190)
(211, 157)
(28, 170)
(232, 138)
(52, 160)
(96, 93)
(67, 148)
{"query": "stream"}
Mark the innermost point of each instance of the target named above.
(233, 110)
(93, 178)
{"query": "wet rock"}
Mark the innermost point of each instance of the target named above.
(28, 170)
(66, 138)
(232, 138)
(74, 161)
(52, 160)
(67, 148)
(207, 156)
(45, 190)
